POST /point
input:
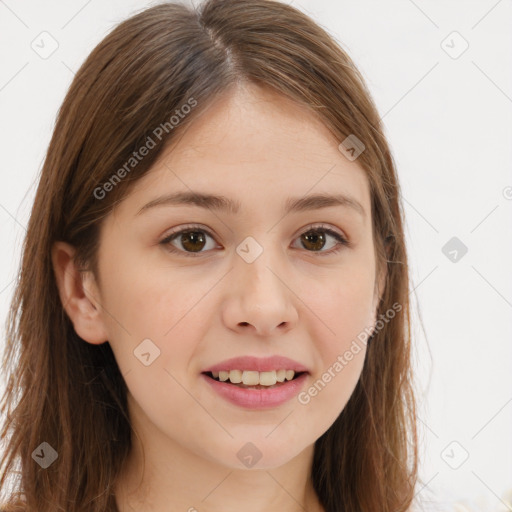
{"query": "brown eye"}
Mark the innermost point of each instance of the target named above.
(191, 240)
(194, 240)
(314, 240)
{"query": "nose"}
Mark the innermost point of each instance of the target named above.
(261, 298)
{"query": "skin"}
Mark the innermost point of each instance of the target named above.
(258, 148)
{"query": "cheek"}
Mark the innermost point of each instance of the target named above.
(159, 312)
(343, 317)
(343, 305)
(331, 388)
(148, 303)
(150, 298)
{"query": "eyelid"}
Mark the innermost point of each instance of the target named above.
(187, 227)
(343, 241)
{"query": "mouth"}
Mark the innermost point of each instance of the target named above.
(254, 390)
(248, 386)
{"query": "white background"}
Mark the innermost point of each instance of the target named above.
(448, 121)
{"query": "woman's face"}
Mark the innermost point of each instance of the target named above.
(257, 282)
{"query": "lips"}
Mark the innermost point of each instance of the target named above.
(259, 364)
(257, 398)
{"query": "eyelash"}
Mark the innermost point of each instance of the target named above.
(343, 242)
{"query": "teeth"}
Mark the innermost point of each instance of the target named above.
(253, 378)
(250, 378)
(280, 375)
(235, 376)
(267, 378)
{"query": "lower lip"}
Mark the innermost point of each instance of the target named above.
(258, 398)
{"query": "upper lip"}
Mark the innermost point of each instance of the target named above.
(260, 364)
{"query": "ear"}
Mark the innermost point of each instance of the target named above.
(78, 293)
(380, 283)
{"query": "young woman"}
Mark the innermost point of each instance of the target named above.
(212, 311)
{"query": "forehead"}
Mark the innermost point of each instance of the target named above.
(252, 124)
(256, 146)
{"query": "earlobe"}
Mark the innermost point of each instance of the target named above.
(79, 295)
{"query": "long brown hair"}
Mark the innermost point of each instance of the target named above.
(71, 394)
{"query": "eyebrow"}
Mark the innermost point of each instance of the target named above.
(222, 203)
